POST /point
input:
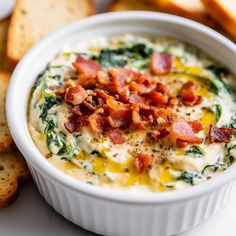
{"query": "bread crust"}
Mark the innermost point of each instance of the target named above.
(172, 7)
(21, 37)
(125, 5)
(220, 13)
(13, 172)
(6, 141)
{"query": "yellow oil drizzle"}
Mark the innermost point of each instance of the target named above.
(180, 152)
(165, 176)
(207, 119)
(94, 49)
(203, 89)
(42, 137)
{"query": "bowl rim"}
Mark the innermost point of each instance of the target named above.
(36, 159)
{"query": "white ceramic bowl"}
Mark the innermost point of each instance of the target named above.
(103, 211)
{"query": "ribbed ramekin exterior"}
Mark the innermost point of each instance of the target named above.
(114, 218)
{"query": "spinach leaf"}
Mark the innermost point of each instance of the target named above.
(217, 110)
(38, 81)
(189, 177)
(219, 165)
(220, 71)
(47, 105)
(121, 56)
(50, 134)
(195, 151)
(68, 151)
(233, 122)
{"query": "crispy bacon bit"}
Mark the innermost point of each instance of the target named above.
(196, 126)
(86, 66)
(75, 123)
(181, 143)
(88, 70)
(119, 76)
(188, 94)
(117, 136)
(220, 135)
(97, 121)
(142, 162)
(120, 113)
(172, 101)
(102, 94)
(161, 88)
(123, 97)
(135, 98)
(75, 95)
(158, 98)
(183, 131)
(161, 64)
(156, 135)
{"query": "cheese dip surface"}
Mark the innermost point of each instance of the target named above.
(135, 114)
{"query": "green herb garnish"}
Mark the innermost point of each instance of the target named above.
(189, 177)
(195, 151)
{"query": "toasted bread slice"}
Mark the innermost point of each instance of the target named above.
(6, 141)
(13, 171)
(126, 5)
(192, 9)
(224, 12)
(4, 62)
(32, 20)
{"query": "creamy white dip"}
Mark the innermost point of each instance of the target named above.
(98, 161)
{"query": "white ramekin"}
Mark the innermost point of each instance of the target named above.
(102, 211)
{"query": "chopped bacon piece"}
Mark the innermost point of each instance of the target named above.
(161, 88)
(142, 115)
(75, 95)
(167, 114)
(158, 98)
(183, 131)
(119, 76)
(140, 88)
(120, 113)
(143, 162)
(106, 82)
(161, 64)
(75, 123)
(156, 135)
(172, 101)
(103, 77)
(102, 94)
(117, 136)
(97, 121)
(196, 126)
(220, 135)
(88, 70)
(90, 106)
(181, 143)
(87, 66)
(188, 94)
(135, 98)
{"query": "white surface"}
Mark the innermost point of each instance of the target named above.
(6, 7)
(31, 216)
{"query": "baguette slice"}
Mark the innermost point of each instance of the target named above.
(32, 20)
(6, 141)
(126, 5)
(4, 62)
(13, 171)
(192, 9)
(224, 12)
